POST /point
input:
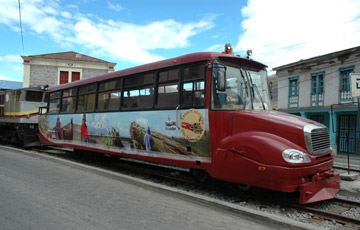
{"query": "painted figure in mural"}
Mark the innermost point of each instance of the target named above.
(148, 140)
(84, 131)
(58, 130)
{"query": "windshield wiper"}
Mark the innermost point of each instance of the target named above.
(246, 94)
(255, 89)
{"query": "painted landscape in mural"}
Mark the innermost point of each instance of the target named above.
(150, 131)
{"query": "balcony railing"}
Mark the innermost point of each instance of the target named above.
(293, 101)
(317, 99)
(345, 97)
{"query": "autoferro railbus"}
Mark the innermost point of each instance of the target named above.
(209, 112)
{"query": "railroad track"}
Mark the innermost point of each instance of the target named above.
(335, 210)
(181, 178)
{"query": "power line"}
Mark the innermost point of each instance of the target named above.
(22, 37)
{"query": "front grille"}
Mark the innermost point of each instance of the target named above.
(317, 138)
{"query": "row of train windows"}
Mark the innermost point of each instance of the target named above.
(24, 95)
(136, 92)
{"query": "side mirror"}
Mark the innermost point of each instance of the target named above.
(221, 80)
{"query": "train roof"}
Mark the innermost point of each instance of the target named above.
(36, 88)
(189, 58)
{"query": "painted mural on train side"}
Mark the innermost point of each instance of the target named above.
(152, 131)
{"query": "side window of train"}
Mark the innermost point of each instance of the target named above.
(68, 100)
(138, 92)
(86, 98)
(193, 94)
(17, 95)
(2, 98)
(168, 88)
(35, 96)
(54, 102)
(109, 95)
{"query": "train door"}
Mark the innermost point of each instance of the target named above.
(347, 134)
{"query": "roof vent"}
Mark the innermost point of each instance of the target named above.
(78, 56)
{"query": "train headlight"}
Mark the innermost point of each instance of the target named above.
(295, 156)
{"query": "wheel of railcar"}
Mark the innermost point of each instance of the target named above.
(243, 187)
(200, 176)
(77, 153)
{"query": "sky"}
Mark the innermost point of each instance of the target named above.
(135, 32)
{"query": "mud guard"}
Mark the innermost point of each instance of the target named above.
(323, 186)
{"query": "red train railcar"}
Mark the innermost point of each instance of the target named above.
(209, 112)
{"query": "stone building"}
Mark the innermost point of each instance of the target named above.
(319, 88)
(60, 68)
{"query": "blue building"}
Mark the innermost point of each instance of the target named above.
(319, 88)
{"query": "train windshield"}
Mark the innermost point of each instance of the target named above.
(236, 88)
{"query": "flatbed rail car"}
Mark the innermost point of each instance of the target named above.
(209, 112)
(19, 110)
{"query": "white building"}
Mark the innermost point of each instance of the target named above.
(60, 68)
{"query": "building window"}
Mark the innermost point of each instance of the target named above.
(66, 76)
(293, 92)
(345, 92)
(75, 76)
(317, 89)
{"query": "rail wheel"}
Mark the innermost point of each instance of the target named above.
(200, 176)
(243, 187)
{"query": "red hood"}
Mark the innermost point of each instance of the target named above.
(280, 124)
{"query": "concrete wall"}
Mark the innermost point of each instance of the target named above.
(43, 75)
(88, 73)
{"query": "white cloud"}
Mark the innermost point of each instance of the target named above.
(8, 78)
(66, 14)
(215, 48)
(13, 66)
(122, 40)
(282, 31)
(116, 7)
(133, 42)
(11, 58)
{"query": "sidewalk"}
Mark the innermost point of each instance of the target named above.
(341, 159)
(348, 188)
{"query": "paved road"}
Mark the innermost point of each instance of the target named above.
(38, 193)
